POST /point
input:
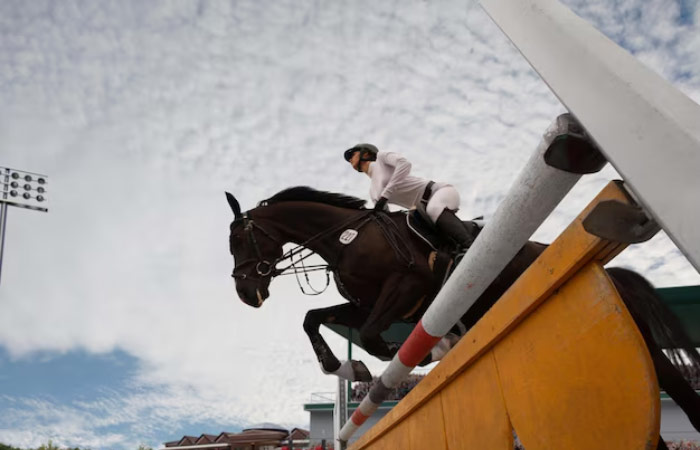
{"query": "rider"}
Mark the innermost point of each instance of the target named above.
(390, 181)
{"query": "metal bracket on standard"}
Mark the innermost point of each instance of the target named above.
(574, 154)
(620, 222)
(574, 151)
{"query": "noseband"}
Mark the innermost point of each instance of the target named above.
(263, 267)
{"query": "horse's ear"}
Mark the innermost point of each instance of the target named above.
(235, 207)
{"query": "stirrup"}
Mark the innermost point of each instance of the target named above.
(460, 255)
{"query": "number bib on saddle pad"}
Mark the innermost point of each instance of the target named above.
(348, 236)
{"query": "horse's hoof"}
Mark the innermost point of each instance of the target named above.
(360, 371)
(427, 360)
(453, 339)
(440, 349)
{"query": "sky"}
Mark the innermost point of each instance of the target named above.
(119, 323)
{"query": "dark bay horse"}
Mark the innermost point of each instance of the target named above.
(383, 270)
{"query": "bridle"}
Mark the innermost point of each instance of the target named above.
(265, 268)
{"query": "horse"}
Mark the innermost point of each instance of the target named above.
(384, 271)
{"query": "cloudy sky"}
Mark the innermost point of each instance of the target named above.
(119, 323)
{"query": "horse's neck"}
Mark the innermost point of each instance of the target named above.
(298, 222)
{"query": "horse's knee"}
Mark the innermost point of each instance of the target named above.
(371, 341)
(367, 336)
(311, 323)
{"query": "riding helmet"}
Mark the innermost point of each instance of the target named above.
(365, 149)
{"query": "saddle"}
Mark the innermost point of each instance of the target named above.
(422, 226)
(446, 253)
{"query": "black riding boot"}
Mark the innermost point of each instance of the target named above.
(451, 226)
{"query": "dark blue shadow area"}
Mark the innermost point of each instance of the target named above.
(65, 377)
(687, 12)
(68, 379)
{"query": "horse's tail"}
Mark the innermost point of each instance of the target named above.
(645, 306)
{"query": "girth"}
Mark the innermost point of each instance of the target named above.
(427, 192)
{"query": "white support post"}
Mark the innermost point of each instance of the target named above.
(648, 129)
(340, 410)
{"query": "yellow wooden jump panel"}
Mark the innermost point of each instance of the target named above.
(558, 359)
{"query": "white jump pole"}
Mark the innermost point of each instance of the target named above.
(647, 129)
(530, 200)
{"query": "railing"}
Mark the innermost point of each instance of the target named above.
(322, 397)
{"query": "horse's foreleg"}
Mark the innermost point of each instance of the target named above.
(348, 315)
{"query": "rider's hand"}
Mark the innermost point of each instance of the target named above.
(381, 204)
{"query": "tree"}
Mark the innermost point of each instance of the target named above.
(8, 447)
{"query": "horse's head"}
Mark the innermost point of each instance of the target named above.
(254, 252)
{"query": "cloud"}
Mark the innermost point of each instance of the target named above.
(30, 423)
(143, 114)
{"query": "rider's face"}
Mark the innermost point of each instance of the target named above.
(355, 160)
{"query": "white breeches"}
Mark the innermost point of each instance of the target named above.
(444, 197)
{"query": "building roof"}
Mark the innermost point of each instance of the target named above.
(299, 434)
(258, 437)
(187, 440)
(206, 439)
(267, 426)
(260, 434)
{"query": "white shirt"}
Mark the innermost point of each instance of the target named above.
(390, 178)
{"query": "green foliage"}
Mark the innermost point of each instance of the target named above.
(8, 447)
(48, 446)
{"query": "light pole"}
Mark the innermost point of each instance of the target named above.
(21, 189)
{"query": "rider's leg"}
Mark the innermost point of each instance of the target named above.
(451, 225)
(440, 208)
(348, 315)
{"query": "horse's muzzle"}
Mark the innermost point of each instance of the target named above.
(252, 295)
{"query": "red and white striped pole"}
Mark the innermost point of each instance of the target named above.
(533, 196)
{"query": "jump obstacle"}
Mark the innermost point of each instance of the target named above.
(491, 382)
(558, 359)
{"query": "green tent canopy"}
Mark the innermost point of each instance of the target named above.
(684, 301)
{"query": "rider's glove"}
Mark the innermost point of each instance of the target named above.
(381, 204)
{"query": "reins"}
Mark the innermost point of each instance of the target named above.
(393, 237)
(265, 268)
(306, 269)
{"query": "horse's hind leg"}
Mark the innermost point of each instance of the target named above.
(647, 309)
(675, 385)
(399, 295)
(662, 444)
(346, 314)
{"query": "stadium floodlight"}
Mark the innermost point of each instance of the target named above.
(24, 190)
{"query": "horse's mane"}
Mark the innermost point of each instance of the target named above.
(307, 194)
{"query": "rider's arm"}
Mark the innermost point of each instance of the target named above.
(402, 167)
